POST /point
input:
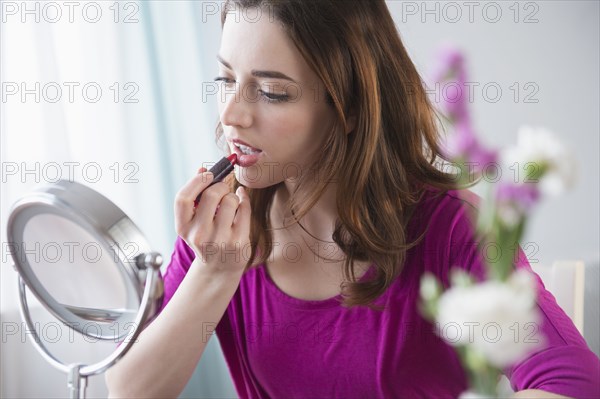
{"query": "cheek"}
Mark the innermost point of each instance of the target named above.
(297, 152)
(301, 121)
(291, 133)
(220, 108)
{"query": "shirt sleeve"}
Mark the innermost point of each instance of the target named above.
(564, 365)
(181, 259)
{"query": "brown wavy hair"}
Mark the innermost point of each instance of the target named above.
(381, 167)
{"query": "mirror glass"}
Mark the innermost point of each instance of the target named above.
(72, 265)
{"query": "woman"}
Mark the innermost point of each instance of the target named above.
(309, 273)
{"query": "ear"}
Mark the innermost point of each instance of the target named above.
(351, 124)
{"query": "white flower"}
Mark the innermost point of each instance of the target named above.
(429, 289)
(499, 320)
(474, 395)
(540, 146)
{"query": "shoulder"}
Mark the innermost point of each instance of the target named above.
(446, 221)
(441, 212)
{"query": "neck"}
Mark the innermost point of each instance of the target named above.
(318, 221)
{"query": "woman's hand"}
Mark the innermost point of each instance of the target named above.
(218, 229)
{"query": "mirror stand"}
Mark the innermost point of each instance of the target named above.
(77, 373)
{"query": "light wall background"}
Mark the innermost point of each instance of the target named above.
(548, 50)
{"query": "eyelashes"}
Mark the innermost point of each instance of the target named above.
(267, 97)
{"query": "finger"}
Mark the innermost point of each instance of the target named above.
(241, 222)
(211, 198)
(197, 184)
(184, 200)
(228, 206)
(240, 194)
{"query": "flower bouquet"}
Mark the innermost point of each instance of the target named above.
(493, 324)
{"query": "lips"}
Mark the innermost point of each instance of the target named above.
(245, 160)
(237, 142)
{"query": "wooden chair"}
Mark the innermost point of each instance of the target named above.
(566, 281)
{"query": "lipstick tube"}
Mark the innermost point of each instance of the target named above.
(220, 170)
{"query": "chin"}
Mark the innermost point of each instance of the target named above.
(256, 176)
(256, 183)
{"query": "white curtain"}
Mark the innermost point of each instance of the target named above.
(112, 95)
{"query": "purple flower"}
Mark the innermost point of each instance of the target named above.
(450, 62)
(449, 79)
(515, 201)
(464, 145)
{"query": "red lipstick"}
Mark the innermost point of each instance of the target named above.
(220, 170)
(245, 160)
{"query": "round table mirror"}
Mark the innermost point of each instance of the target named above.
(88, 264)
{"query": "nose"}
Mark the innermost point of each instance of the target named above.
(236, 109)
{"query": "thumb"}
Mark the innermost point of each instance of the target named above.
(241, 192)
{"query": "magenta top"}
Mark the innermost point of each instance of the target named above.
(279, 346)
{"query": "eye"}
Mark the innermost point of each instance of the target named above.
(267, 97)
(273, 98)
(224, 80)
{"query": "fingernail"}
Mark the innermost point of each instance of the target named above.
(207, 176)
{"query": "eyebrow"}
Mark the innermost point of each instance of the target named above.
(259, 74)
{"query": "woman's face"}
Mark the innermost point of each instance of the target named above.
(286, 120)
